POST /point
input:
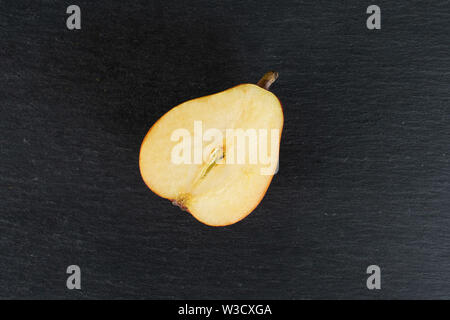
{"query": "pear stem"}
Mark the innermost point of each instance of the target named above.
(267, 80)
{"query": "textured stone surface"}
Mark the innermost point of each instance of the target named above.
(364, 174)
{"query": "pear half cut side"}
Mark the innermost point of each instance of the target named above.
(215, 190)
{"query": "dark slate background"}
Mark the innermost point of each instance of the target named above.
(364, 170)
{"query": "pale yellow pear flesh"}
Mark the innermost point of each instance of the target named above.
(223, 193)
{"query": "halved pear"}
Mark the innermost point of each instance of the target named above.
(217, 185)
